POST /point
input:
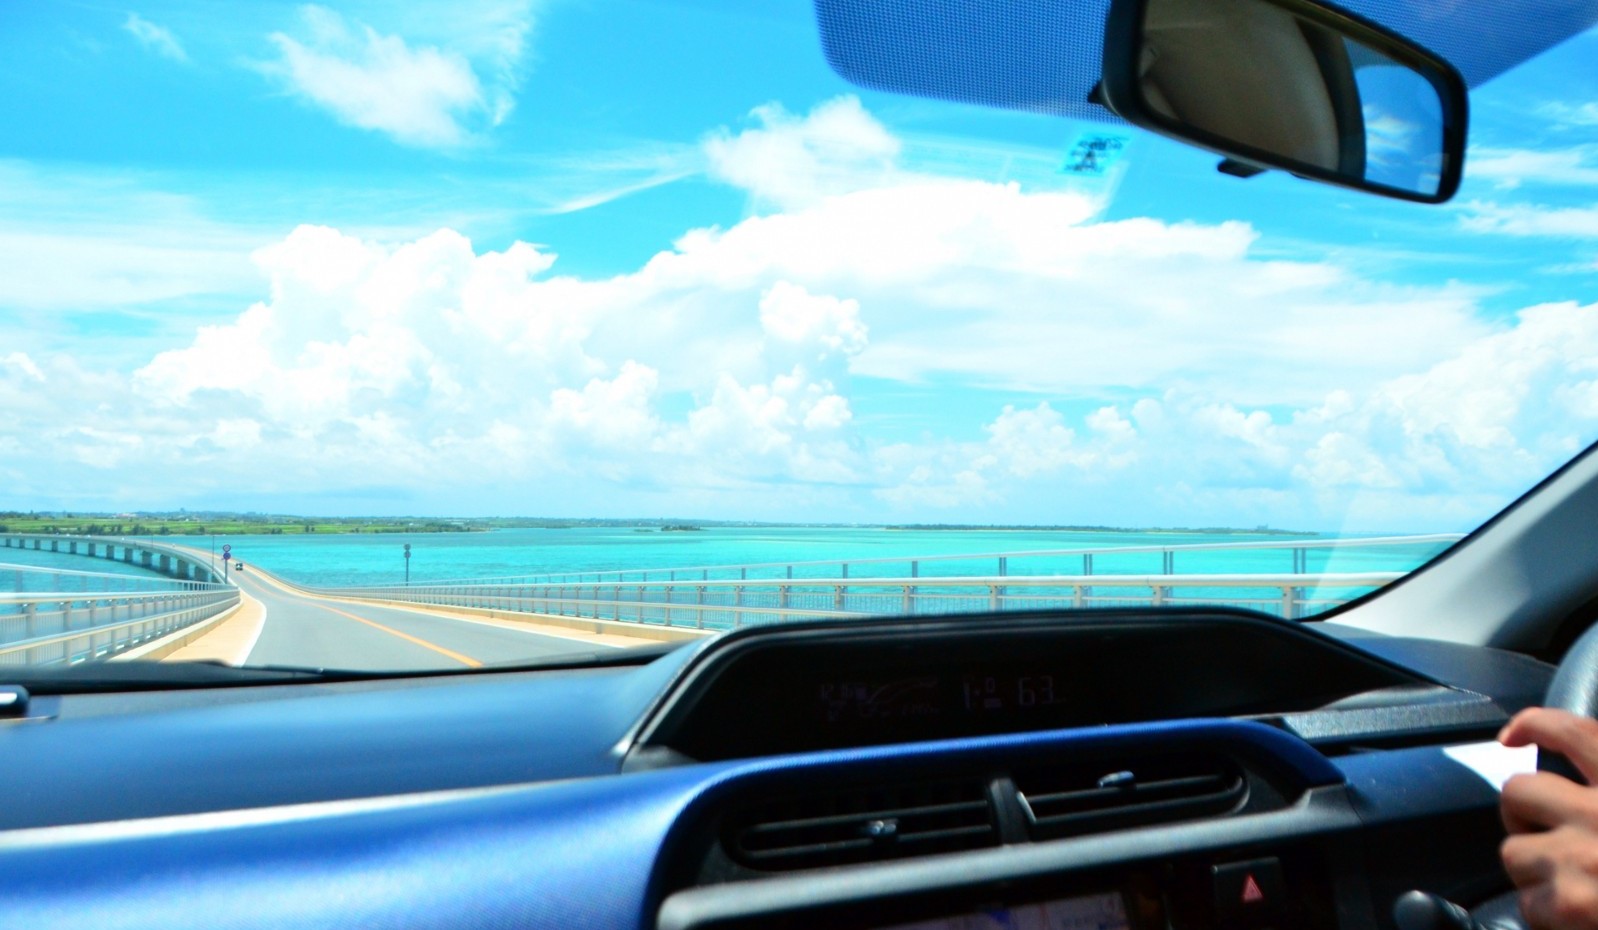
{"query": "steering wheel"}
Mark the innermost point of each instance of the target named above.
(1575, 685)
(1574, 688)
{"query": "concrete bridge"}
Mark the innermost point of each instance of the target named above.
(291, 626)
(168, 560)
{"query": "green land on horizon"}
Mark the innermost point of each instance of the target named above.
(203, 523)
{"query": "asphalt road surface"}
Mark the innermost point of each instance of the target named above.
(310, 631)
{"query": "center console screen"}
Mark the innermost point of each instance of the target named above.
(1088, 912)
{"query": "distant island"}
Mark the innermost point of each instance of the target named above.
(208, 524)
(219, 523)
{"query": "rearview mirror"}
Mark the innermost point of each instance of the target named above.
(1290, 84)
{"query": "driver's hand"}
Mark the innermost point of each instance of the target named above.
(1552, 850)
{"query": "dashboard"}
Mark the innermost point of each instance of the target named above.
(1111, 770)
(836, 686)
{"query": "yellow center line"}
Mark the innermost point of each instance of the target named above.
(465, 660)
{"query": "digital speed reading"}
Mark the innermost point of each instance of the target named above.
(998, 692)
(987, 694)
(878, 700)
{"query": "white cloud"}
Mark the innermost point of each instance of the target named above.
(792, 161)
(1340, 460)
(1027, 442)
(19, 365)
(1510, 168)
(1453, 441)
(236, 435)
(420, 95)
(819, 326)
(157, 39)
(1571, 114)
(765, 428)
(918, 477)
(426, 351)
(1026, 448)
(1134, 364)
(90, 241)
(616, 413)
(84, 271)
(1530, 220)
(1390, 140)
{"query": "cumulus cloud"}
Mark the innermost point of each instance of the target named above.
(1480, 413)
(157, 39)
(791, 161)
(428, 352)
(1453, 441)
(418, 94)
(1126, 365)
(614, 413)
(1028, 442)
(995, 284)
(818, 325)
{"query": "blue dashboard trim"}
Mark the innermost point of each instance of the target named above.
(580, 853)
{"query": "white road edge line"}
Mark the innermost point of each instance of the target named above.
(502, 625)
(242, 657)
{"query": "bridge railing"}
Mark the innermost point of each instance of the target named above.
(16, 578)
(56, 627)
(1295, 555)
(728, 604)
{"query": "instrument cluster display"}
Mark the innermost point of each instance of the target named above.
(771, 690)
(866, 698)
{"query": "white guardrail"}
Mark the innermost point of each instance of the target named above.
(1022, 562)
(726, 597)
(720, 605)
(91, 616)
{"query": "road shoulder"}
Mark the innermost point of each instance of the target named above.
(614, 637)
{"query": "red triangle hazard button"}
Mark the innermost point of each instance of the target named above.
(1251, 890)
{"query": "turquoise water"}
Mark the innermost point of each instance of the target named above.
(379, 559)
(78, 574)
(63, 561)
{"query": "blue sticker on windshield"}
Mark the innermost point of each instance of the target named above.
(1093, 154)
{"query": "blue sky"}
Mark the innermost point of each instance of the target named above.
(639, 258)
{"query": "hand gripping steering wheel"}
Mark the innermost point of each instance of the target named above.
(1574, 688)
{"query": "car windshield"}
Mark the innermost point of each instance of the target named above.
(398, 336)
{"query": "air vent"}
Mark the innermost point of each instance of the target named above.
(1083, 799)
(864, 825)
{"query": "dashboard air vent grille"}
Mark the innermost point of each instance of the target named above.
(863, 825)
(1082, 799)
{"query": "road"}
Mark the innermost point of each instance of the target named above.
(306, 630)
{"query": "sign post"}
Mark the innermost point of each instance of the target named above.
(227, 560)
(407, 565)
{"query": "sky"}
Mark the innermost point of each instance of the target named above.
(584, 258)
